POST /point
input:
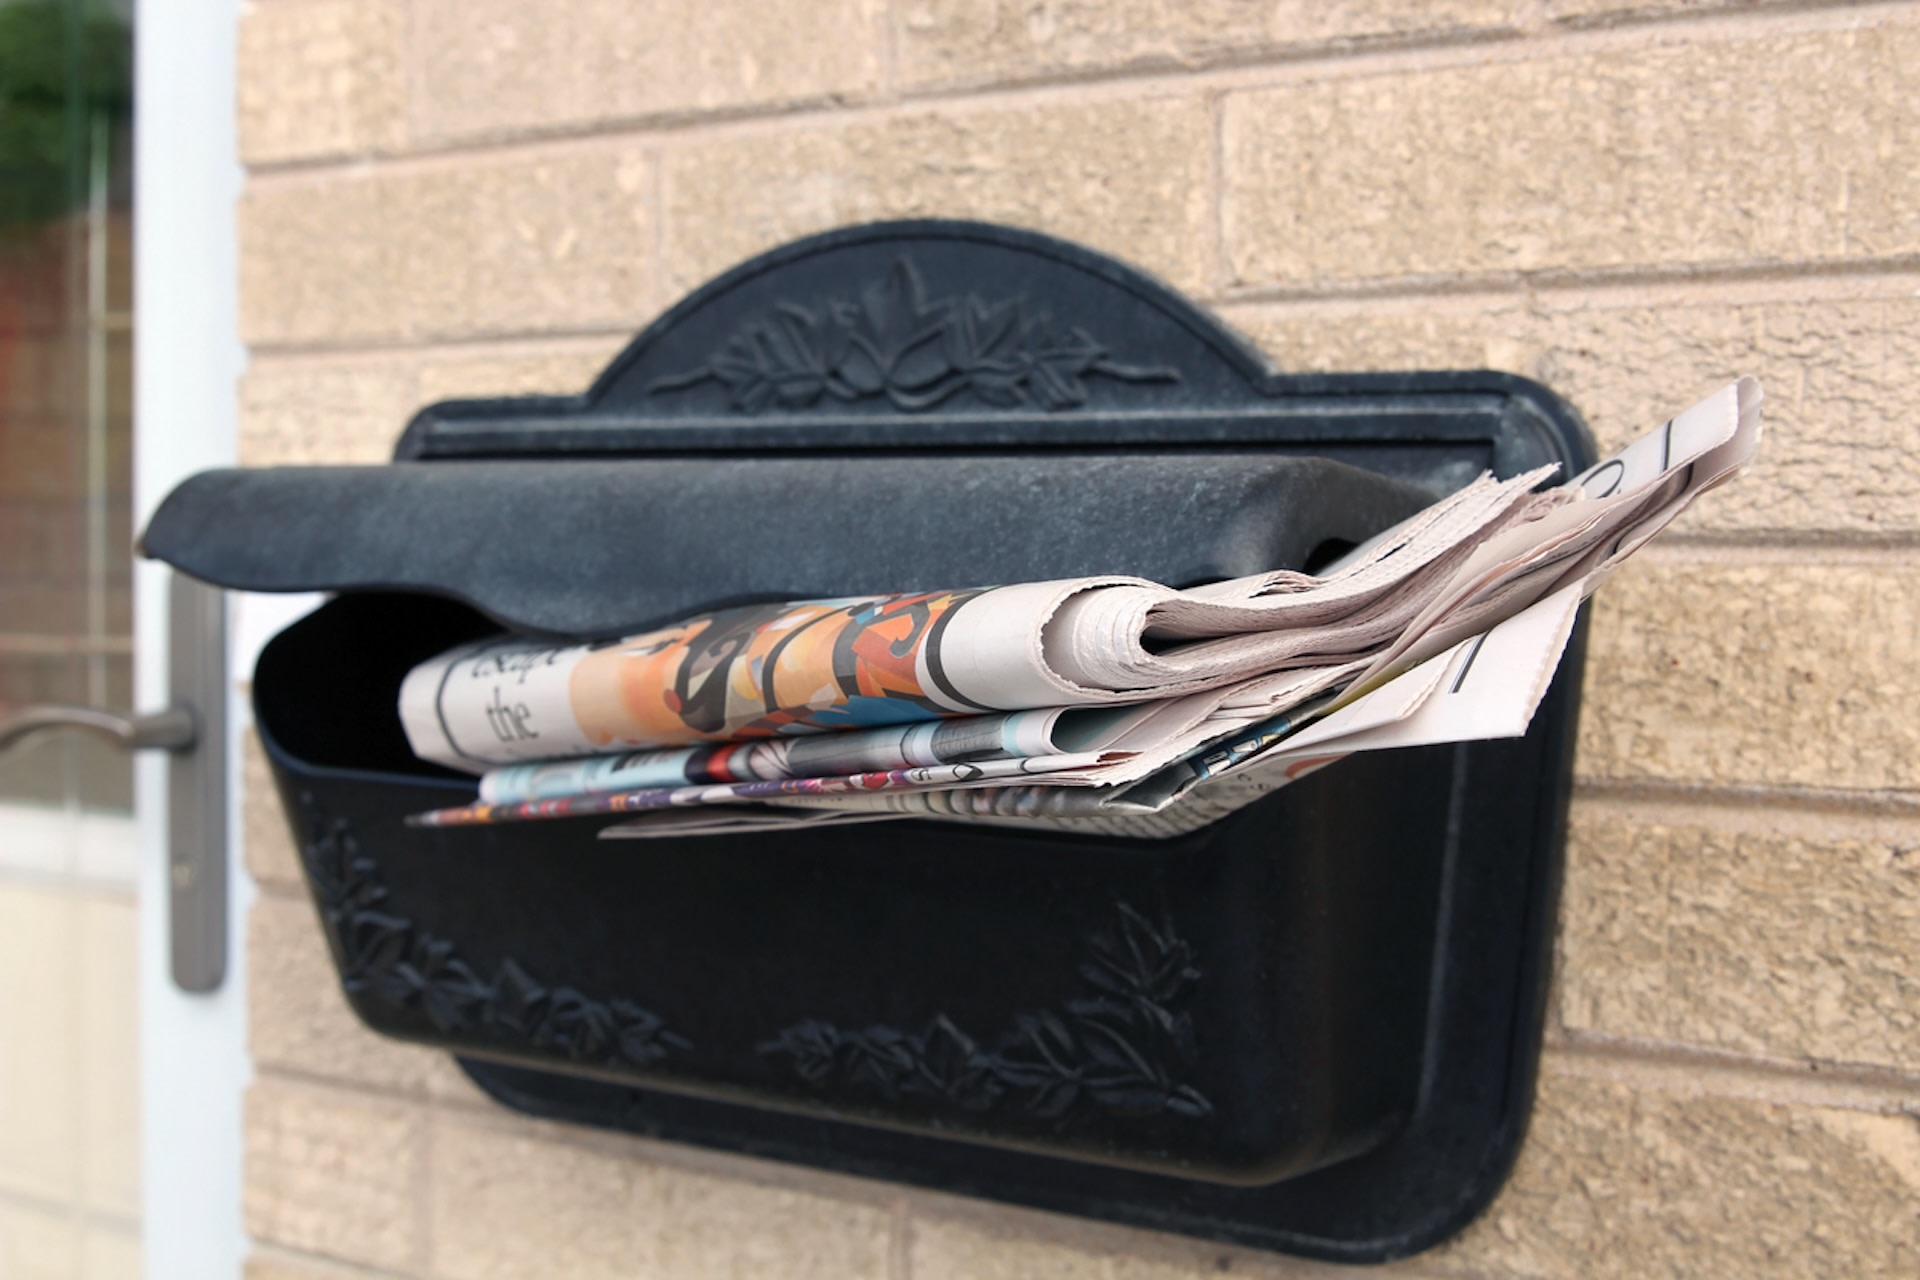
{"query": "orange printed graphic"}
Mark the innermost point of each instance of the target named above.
(762, 670)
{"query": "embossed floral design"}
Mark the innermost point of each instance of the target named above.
(1123, 1049)
(440, 983)
(891, 341)
(386, 957)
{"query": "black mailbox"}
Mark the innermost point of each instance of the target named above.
(1309, 1026)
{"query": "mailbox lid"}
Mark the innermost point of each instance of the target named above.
(612, 545)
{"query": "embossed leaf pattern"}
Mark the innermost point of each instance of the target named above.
(1122, 1050)
(347, 879)
(387, 957)
(813, 1047)
(372, 944)
(1128, 1064)
(441, 983)
(948, 1064)
(941, 1061)
(642, 1035)
(577, 1026)
(1147, 967)
(518, 1002)
(891, 341)
(882, 1059)
(1043, 1060)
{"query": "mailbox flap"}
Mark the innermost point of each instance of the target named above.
(595, 548)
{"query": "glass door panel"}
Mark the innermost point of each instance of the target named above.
(69, 1075)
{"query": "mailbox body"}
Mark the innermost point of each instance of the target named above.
(1309, 1026)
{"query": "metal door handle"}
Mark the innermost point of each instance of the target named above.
(174, 729)
(193, 731)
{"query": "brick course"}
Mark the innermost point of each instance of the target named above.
(1127, 175)
(943, 43)
(1707, 672)
(499, 67)
(1782, 934)
(522, 245)
(1724, 154)
(321, 80)
(1837, 365)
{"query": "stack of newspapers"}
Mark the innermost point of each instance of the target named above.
(1112, 704)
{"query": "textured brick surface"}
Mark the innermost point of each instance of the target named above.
(352, 409)
(1486, 333)
(1127, 177)
(277, 1264)
(1782, 674)
(1589, 12)
(1751, 148)
(331, 1173)
(1838, 454)
(507, 1205)
(1786, 945)
(535, 371)
(297, 1017)
(502, 66)
(966, 41)
(516, 245)
(321, 79)
(1743, 152)
(304, 411)
(1622, 1180)
(1839, 449)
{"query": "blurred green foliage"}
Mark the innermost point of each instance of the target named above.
(62, 62)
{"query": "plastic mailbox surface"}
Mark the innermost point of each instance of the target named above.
(1311, 1026)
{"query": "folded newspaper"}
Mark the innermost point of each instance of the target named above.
(1108, 703)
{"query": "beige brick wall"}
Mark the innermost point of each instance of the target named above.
(1630, 200)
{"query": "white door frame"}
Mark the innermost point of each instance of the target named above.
(193, 1053)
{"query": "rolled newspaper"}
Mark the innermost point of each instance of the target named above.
(767, 670)
(1059, 731)
(1227, 675)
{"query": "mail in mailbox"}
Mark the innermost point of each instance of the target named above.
(1250, 681)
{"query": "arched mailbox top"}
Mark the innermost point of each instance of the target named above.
(966, 335)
